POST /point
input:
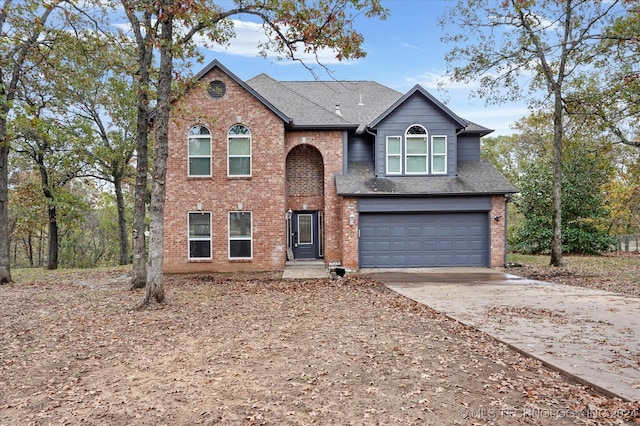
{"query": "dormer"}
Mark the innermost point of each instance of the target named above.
(416, 136)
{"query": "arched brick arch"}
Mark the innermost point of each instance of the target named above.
(305, 178)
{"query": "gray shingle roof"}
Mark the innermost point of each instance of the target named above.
(474, 177)
(314, 103)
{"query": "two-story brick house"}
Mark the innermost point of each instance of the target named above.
(264, 171)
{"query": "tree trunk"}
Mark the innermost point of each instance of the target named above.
(139, 272)
(5, 244)
(145, 56)
(154, 290)
(122, 222)
(556, 193)
(52, 261)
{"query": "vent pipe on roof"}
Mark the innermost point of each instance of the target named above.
(360, 103)
(338, 112)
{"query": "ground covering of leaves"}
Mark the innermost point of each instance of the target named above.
(615, 272)
(253, 349)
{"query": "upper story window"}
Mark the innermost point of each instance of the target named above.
(199, 151)
(394, 155)
(412, 154)
(416, 150)
(439, 154)
(239, 151)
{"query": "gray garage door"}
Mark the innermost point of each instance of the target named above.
(423, 239)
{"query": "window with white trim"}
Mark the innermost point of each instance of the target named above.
(239, 151)
(240, 235)
(394, 155)
(199, 141)
(438, 154)
(416, 150)
(199, 235)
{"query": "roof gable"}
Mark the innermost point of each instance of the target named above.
(216, 64)
(418, 90)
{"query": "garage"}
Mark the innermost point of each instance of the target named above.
(423, 239)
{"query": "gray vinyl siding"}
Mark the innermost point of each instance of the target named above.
(424, 204)
(416, 110)
(468, 148)
(361, 148)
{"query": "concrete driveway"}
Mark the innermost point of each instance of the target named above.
(590, 335)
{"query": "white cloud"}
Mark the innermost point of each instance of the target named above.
(250, 34)
(411, 46)
(431, 80)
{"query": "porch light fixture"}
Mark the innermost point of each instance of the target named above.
(240, 205)
(304, 207)
(199, 206)
(497, 218)
(352, 219)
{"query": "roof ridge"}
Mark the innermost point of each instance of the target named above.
(312, 101)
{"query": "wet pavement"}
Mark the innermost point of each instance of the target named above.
(590, 335)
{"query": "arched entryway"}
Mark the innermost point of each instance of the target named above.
(305, 203)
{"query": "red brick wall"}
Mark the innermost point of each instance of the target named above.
(305, 171)
(349, 232)
(498, 231)
(262, 194)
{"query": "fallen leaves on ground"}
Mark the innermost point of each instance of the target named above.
(615, 272)
(252, 349)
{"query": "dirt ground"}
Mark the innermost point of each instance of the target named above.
(258, 350)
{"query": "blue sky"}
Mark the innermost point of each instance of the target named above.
(402, 51)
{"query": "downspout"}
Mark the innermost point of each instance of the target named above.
(375, 140)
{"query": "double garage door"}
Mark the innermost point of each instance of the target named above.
(389, 240)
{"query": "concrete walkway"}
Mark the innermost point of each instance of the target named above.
(592, 336)
(305, 269)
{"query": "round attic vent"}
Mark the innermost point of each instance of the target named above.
(217, 89)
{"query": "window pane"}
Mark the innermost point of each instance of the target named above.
(416, 130)
(199, 249)
(240, 248)
(239, 166)
(199, 130)
(305, 230)
(239, 129)
(393, 145)
(240, 225)
(439, 145)
(199, 225)
(438, 164)
(199, 146)
(199, 166)
(416, 164)
(393, 164)
(239, 146)
(416, 145)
